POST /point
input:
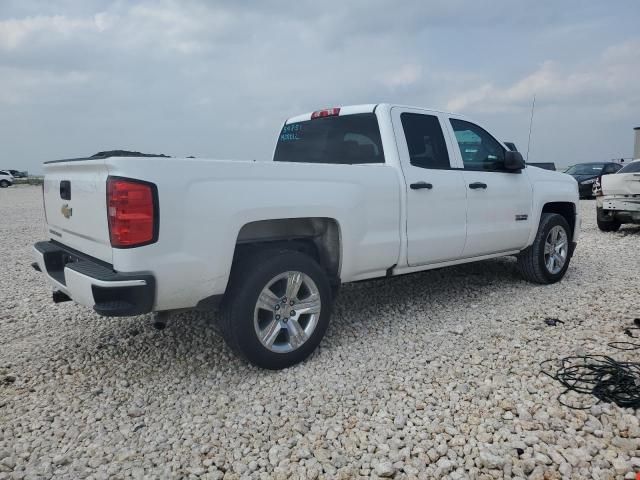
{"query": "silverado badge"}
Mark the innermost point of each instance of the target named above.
(66, 211)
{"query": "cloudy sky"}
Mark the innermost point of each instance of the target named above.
(217, 79)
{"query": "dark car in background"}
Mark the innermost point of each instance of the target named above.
(586, 174)
(546, 165)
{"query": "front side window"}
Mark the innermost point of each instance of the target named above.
(479, 150)
(425, 141)
(611, 168)
(347, 139)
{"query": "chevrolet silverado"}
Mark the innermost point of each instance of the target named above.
(352, 193)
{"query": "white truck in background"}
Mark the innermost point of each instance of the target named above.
(352, 193)
(618, 198)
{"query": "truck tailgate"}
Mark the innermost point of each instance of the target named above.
(621, 184)
(75, 206)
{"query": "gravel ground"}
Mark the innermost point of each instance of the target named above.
(429, 375)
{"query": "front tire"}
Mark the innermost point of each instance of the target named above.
(277, 308)
(4, 184)
(547, 259)
(607, 223)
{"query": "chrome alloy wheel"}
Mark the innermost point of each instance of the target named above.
(556, 249)
(287, 312)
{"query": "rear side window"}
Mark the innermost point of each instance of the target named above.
(348, 139)
(425, 141)
(633, 167)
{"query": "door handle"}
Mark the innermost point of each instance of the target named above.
(420, 185)
(476, 185)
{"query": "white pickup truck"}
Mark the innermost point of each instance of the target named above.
(618, 198)
(352, 193)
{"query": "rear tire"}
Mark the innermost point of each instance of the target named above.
(606, 223)
(535, 262)
(264, 290)
(4, 184)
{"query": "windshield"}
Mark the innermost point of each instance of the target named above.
(585, 169)
(347, 139)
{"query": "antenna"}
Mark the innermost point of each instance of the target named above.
(533, 105)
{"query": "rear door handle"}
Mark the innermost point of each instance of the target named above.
(476, 185)
(420, 185)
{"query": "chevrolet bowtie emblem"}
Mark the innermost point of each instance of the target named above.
(66, 211)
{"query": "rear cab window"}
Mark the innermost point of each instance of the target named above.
(344, 140)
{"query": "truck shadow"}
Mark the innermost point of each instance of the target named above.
(191, 342)
(434, 293)
(377, 302)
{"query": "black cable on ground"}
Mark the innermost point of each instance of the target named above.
(609, 380)
(627, 345)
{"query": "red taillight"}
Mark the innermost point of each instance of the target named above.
(132, 211)
(327, 112)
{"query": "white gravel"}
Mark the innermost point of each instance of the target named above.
(429, 375)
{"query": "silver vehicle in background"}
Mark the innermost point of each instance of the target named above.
(6, 179)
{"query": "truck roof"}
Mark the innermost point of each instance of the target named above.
(362, 108)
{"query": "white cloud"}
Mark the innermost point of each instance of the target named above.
(404, 76)
(200, 77)
(16, 32)
(610, 76)
(21, 86)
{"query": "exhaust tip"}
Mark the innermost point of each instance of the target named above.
(160, 320)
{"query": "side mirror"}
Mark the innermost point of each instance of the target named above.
(513, 161)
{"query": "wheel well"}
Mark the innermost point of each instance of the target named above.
(317, 237)
(566, 209)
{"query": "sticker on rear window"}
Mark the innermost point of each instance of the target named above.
(290, 132)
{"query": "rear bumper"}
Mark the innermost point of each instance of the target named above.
(625, 204)
(623, 209)
(93, 283)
